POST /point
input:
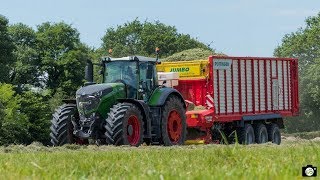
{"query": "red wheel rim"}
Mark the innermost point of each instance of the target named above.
(133, 130)
(174, 126)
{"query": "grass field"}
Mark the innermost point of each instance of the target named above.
(266, 161)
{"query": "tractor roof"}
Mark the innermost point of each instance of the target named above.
(132, 58)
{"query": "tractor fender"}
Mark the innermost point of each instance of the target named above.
(161, 94)
(145, 110)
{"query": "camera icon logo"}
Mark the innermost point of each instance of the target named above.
(309, 171)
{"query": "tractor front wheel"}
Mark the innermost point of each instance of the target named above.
(173, 125)
(124, 125)
(61, 126)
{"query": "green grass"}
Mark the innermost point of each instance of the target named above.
(187, 162)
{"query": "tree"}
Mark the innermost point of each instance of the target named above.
(32, 102)
(143, 37)
(2, 113)
(26, 68)
(304, 45)
(14, 124)
(6, 49)
(63, 56)
(73, 65)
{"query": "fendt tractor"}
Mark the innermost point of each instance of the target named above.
(127, 108)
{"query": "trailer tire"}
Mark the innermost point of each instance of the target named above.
(124, 125)
(274, 133)
(246, 134)
(261, 133)
(148, 142)
(61, 126)
(173, 122)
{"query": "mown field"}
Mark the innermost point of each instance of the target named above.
(266, 161)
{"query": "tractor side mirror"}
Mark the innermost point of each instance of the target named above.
(89, 71)
(164, 82)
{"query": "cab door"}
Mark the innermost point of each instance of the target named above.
(148, 80)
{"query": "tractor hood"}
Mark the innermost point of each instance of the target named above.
(89, 98)
(96, 89)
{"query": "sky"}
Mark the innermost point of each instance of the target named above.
(233, 27)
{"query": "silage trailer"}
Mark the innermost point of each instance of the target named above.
(243, 96)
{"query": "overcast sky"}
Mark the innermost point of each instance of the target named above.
(235, 27)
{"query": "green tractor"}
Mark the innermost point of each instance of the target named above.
(128, 108)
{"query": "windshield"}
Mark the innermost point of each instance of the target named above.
(117, 71)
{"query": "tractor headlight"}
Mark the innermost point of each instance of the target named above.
(88, 103)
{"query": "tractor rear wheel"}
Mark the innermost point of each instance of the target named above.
(173, 123)
(61, 125)
(124, 125)
(274, 133)
(261, 133)
(246, 134)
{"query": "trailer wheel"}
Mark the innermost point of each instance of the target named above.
(147, 141)
(124, 125)
(173, 123)
(61, 126)
(246, 134)
(274, 133)
(261, 133)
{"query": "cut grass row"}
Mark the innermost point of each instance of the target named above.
(202, 161)
(304, 135)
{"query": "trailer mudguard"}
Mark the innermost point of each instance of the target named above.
(276, 118)
(261, 116)
(160, 95)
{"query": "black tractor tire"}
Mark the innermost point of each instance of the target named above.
(173, 122)
(246, 134)
(124, 125)
(261, 133)
(61, 125)
(274, 133)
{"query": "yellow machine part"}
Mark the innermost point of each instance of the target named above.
(195, 142)
(186, 69)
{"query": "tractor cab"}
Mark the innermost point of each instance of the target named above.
(137, 73)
